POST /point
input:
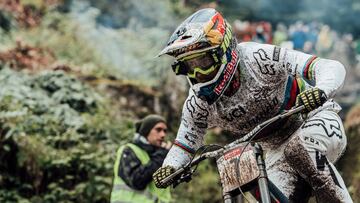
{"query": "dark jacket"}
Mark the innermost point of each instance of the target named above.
(136, 175)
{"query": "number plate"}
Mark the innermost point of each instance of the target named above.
(248, 169)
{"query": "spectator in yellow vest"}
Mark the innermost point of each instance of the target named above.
(138, 160)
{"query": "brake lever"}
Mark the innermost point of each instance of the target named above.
(186, 172)
(185, 177)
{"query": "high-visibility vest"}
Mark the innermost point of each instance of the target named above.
(121, 193)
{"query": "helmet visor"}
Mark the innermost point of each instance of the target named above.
(204, 63)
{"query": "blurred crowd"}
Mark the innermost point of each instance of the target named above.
(312, 38)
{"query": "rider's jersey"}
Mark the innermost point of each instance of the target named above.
(270, 79)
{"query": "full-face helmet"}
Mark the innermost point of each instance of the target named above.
(205, 51)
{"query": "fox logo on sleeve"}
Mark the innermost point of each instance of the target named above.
(330, 126)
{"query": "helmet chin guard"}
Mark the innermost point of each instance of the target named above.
(212, 90)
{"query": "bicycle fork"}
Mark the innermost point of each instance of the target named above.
(227, 198)
(263, 179)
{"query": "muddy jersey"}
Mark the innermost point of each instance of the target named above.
(270, 79)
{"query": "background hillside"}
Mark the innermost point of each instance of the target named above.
(74, 75)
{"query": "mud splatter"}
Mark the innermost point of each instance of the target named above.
(321, 181)
(288, 181)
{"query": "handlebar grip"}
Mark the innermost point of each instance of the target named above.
(178, 172)
(172, 176)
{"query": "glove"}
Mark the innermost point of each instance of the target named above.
(311, 99)
(161, 174)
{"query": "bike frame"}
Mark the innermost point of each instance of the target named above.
(267, 191)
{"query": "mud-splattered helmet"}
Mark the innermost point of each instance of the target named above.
(205, 51)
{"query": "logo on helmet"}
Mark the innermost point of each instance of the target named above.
(228, 73)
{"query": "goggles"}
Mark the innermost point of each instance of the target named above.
(204, 62)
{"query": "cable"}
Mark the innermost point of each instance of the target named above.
(205, 149)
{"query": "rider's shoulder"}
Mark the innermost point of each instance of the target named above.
(256, 51)
(195, 101)
(254, 46)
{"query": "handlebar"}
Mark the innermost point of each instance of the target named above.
(183, 169)
(184, 173)
(259, 127)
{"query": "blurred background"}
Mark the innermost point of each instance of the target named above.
(75, 74)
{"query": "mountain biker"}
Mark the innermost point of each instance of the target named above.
(138, 160)
(238, 86)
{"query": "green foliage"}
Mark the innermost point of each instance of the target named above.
(36, 3)
(204, 187)
(57, 139)
(12, 196)
(67, 90)
(5, 22)
(68, 48)
(54, 96)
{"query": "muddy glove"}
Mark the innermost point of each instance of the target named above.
(161, 174)
(311, 99)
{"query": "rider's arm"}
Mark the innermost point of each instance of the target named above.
(328, 75)
(190, 136)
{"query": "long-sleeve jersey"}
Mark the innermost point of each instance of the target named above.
(270, 79)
